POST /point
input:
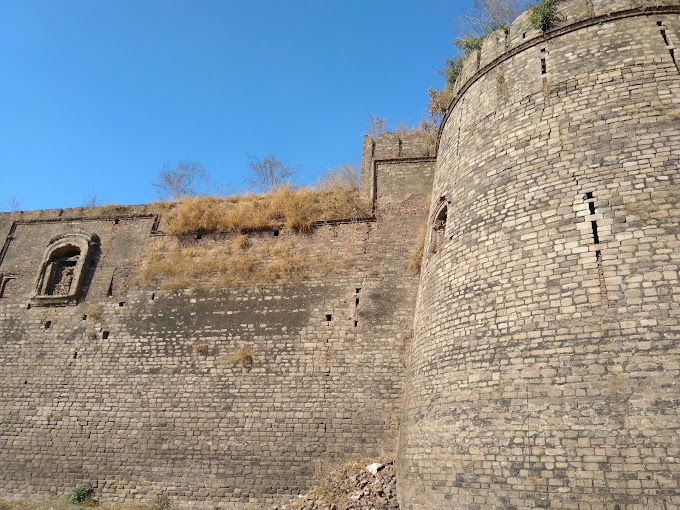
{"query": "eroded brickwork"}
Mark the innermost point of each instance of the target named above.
(545, 360)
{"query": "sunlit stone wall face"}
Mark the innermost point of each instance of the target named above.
(544, 366)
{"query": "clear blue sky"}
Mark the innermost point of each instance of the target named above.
(95, 96)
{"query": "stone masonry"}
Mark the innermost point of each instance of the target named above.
(545, 361)
(533, 364)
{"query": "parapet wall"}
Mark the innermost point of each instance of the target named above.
(545, 361)
(397, 165)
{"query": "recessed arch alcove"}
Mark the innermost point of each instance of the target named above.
(63, 269)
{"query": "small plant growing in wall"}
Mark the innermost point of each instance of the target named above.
(81, 494)
(200, 349)
(90, 334)
(544, 16)
(242, 356)
(162, 502)
(94, 312)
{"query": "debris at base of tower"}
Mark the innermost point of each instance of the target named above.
(355, 485)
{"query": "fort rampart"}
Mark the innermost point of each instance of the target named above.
(542, 367)
(545, 360)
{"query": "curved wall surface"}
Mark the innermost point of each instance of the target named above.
(545, 362)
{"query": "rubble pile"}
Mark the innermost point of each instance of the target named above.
(355, 486)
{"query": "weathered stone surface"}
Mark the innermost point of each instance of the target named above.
(545, 361)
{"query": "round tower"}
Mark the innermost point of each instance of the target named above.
(546, 355)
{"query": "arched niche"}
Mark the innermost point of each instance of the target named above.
(438, 226)
(63, 269)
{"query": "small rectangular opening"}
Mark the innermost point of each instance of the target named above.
(47, 324)
(85, 317)
(276, 233)
(591, 207)
(121, 303)
(115, 222)
(105, 334)
(329, 317)
(356, 324)
(356, 302)
(153, 296)
(109, 293)
(358, 290)
(588, 195)
(665, 37)
(543, 66)
(199, 237)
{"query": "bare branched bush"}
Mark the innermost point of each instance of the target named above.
(344, 176)
(186, 178)
(269, 174)
(376, 126)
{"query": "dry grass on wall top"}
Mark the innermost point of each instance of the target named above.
(238, 262)
(297, 209)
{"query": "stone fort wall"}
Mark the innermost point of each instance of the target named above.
(545, 361)
(135, 391)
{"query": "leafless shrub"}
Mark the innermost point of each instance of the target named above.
(91, 201)
(401, 128)
(90, 334)
(186, 178)
(344, 176)
(269, 174)
(376, 126)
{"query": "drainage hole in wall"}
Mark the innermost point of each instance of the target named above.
(25, 382)
(48, 324)
(329, 317)
(276, 233)
(115, 222)
(105, 334)
(121, 303)
(85, 317)
(356, 324)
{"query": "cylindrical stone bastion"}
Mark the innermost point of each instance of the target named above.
(545, 362)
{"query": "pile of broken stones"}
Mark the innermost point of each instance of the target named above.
(352, 488)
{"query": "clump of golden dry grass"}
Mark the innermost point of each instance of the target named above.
(415, 259)
(236, 262)
(90, 334)
(242, 356)
(297, 209)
